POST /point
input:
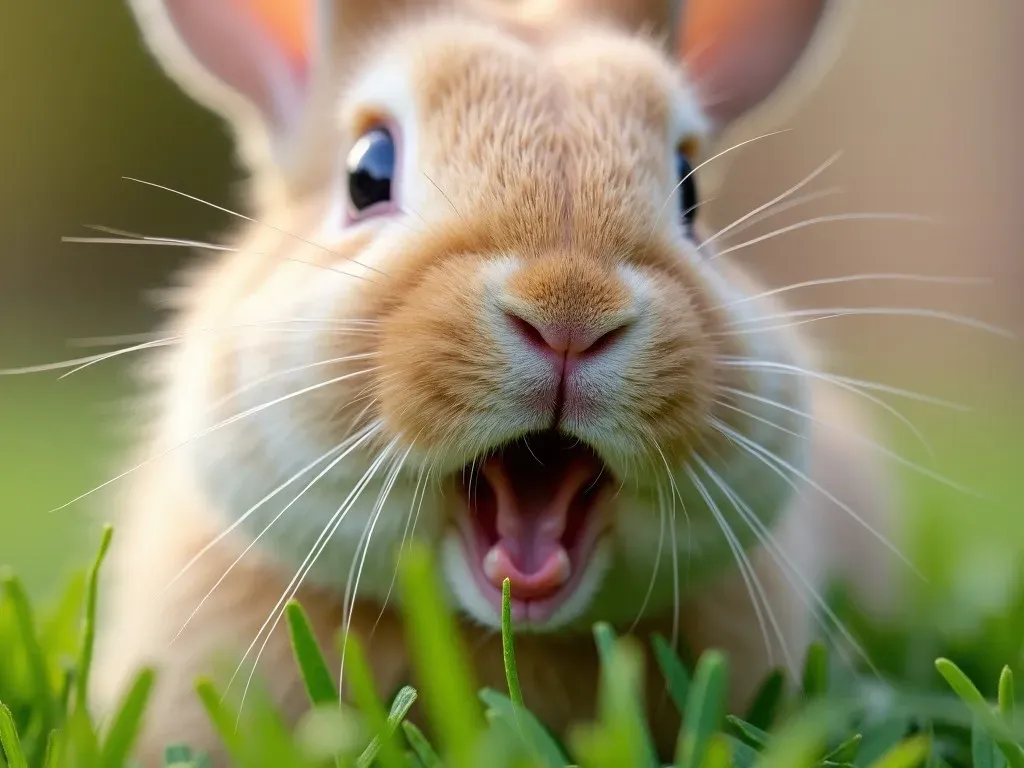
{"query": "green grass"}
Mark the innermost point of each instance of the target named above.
(832, 719)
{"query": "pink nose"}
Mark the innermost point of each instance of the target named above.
(566, 339)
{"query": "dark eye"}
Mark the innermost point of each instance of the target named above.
(687, 189)
(371, 170)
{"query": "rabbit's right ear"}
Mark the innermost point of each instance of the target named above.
(248, 60)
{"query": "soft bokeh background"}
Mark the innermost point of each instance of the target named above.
(926, 104)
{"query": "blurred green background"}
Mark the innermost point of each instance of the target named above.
(925, 103)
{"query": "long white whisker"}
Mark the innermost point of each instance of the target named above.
(876, 446)
(307, 564)
(768, 541)
(882, 311)
(701, 165)
(368, 433)
(866, 276)
(779, 198)
(753, 583)
(662, 515)
(81, 363)
(775, 210)
(237, 417)
(743, 362)
(890, 409)
(675, 555)
(295, 369)
(251, 221)
(419, 490)
(823, 220)
(771, 460)
(349, 600)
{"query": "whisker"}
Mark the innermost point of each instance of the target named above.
(848, 387)
(349, 600)
(358, 440)
(769, 457)
(132, 239)
(146, 240)
(779, 198)
(823, 220)
(867, 276)
(251, 221)
(662, 515)
(444, 195)
(876, 446)
(701, 165)
(775, 210)
(307, 564)
(675, 554)
(743, 362)
(418, 489)
(968, 322)
(295, 369)
(750, 578)
(768, 541)
(81, 363)
(207, 431)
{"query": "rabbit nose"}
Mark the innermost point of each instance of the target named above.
(566, 340)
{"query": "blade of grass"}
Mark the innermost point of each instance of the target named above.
(625, 691)
(43, 700)
(128, 721)
(971, 696)
(536, 737)
(619, 736)
(89, 628)
(53, 744)
(508, 646)
(751, 732)
(1007, 695)
(420, 746)
(364, 692)
(705, 709)
(9, 740)
(677, 679)
(984, 752)
(846, 751)
(439, 660)
(765, 708)
(310, 659)
(815, 676)
(222, 721)
(909, 753)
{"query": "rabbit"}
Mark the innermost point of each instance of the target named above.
(472, 303)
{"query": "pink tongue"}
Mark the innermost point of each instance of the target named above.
(532, 511)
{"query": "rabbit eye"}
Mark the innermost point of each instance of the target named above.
(687, 189)
(371, 170)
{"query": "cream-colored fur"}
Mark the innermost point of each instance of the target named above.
(537, 178)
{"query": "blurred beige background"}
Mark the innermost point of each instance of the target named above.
(927, 103)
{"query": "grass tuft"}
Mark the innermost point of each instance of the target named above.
(828, 721)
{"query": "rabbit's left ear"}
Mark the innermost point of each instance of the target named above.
(248, 60)
(740, 52)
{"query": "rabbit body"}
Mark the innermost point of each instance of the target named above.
(527, 273)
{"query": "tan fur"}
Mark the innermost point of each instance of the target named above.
(545, 152)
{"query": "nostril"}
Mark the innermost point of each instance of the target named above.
(565, 339)
(529, 331)
(605, 340)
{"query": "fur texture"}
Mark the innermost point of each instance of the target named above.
(537, 182)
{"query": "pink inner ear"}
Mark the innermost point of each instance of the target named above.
(244, 49)
(740, 55)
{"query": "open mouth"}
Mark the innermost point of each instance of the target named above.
(534, 518)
